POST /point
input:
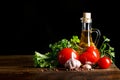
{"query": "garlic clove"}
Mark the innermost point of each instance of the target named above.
(87, 67)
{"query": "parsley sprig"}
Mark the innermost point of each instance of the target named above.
(106, 49)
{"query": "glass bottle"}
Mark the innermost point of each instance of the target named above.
(86, 33)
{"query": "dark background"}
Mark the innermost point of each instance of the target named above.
(31, 25)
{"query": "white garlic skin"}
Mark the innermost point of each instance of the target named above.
(87, 65)
(73, 64)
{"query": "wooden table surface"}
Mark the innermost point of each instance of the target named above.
(20, 67)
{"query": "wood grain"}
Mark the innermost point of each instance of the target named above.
(20, 67)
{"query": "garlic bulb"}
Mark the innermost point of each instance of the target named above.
(73, 63)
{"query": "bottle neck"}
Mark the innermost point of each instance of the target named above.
(86, 26)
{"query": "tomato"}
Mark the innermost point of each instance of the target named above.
(65, 54)
(104, 62)
(91, 54)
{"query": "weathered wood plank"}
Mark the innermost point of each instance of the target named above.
(20, 67)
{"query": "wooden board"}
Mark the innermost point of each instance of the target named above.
(20, 67)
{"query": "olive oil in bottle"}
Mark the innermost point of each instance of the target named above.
(86, 33)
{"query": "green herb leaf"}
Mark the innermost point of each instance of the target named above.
(106, 49)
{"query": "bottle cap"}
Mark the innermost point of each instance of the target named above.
(86, 17)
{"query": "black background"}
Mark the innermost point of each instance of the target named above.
(31, 25)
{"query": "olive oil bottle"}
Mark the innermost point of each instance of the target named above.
(86, 33)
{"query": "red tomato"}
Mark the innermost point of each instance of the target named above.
(91, 54)
(65, 54)
(104, 62)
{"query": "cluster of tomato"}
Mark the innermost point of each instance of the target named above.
(91, 54)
